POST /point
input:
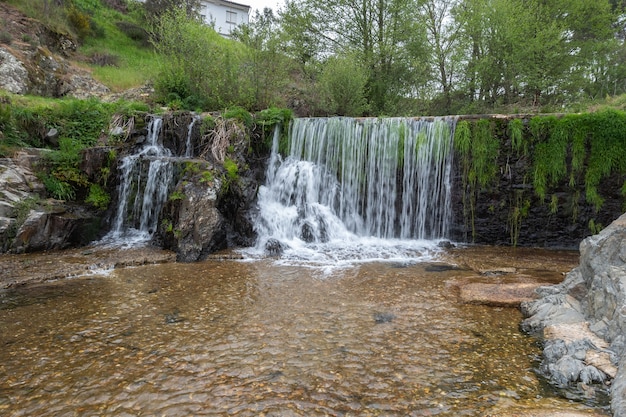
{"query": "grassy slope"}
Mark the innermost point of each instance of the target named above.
(135, 63)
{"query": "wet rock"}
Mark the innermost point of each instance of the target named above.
(174, 317)
(274, 247)
(497, 294)
(197, 227)
(446, 244)
(440, 267)
(583, 319)
(307, 233)
(381, 318)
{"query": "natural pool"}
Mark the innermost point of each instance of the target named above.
(252, 338)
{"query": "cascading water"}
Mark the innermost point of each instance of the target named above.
(359, 188)
(188, 146)
(145, 179)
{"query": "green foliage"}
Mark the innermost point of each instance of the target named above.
(232, 169)
(207, 177)
(61, 190)
(199, 66)
(98, 197)
(167, 225)
(551, 138)
(6, 38)
(519, 211)
(80, 22)
(485, 148)
(463, 137)
(343, 84)
(240, 114)
(176, 195)
(554, 204)
(274, 116)
(516, 134)
(594, 144)
(594, 227)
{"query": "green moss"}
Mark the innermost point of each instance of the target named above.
(239, 113)
(485, 149)
(232, 169)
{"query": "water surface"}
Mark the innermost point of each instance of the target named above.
(222, 338)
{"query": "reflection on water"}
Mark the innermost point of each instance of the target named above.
(256, 338)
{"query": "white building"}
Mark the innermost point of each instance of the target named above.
(224, 15)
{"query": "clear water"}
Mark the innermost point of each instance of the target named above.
(256, 338)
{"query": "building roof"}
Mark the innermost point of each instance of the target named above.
(229, 3)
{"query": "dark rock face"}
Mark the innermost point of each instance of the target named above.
(29, 223)
(583, 319)
(562, 226)
(192, 226)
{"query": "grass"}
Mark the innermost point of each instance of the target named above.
(137, 63)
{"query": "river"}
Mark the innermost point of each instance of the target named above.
(257, 337)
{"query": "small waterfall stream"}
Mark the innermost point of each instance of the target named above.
(145, 180)
(359, 187)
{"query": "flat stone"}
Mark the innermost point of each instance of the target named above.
(573, 332)
(602, 361)
(498, 295)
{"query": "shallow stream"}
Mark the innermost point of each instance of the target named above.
(253, 338)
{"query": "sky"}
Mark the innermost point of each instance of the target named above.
(261, 4)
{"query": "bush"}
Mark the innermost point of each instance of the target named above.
(98, 197)
(342, 83)
(199, 66)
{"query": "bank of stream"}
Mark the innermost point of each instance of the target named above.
(255, 337)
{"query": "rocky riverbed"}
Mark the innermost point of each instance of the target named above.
(34, 268)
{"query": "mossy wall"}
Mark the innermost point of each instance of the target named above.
(546, 181)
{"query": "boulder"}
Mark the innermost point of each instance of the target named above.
(13, 75)
(583, 319)
(192, 225)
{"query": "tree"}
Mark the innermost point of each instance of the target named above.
(266, 66)
(384, 35)
(442, 35)
(343, 83)
(200, 67)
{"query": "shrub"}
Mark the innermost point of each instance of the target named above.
(342, 83)
(98, 197)
(6, 37)
(60, 190)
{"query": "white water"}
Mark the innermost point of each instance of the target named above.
(145, 179)
(188, 147)
(354, 190)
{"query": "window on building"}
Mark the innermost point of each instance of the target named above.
(231, 17)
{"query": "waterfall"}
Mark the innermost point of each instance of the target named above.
(145, 180)
(188, 146)
(350, 180)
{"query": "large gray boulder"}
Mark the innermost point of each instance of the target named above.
(583, 319)
(30, 222)
(192, 225)
(13, 75)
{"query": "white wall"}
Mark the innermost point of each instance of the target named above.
(224, 15)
